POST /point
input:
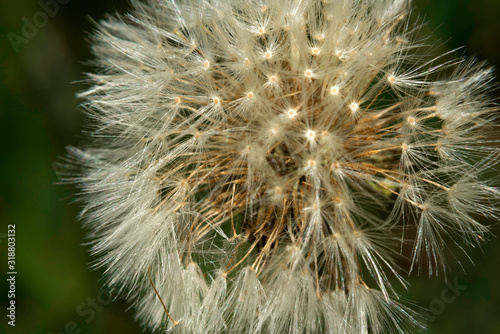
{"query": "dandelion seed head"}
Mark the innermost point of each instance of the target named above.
(240, 150)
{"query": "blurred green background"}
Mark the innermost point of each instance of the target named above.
(39, 116)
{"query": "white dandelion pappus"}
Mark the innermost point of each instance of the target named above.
(263, 161)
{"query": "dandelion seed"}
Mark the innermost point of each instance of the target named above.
(273, 79)
(310, 134)
(226, 191)
(320, 37)
(354, 107)
(334, 90)
(291, 113)
(340, 54)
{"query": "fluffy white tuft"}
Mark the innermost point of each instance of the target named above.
(255, 165)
